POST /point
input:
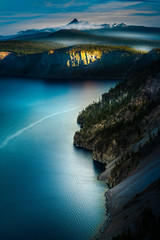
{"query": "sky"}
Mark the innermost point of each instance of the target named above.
(17, 15)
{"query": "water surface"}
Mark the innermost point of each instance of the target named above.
(48, 188)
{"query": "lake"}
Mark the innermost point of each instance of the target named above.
(48, 187)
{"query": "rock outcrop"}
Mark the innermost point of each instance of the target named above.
(120, 127)
(4, 54)
(123, 131)
(76, 62)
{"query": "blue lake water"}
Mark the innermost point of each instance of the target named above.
(48, 188)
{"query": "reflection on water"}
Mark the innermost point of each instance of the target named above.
(48, 188)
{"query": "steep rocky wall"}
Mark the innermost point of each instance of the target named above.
(69, 63)
(83, 58)
(4, 54)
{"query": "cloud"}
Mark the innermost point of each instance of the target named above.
(20, 15)
(123, 10)
(65, 4)
(50, 13)
(7, 21)
(48, 4)
(70, 3)
(148, 14)
(113, 5)
(144, 1)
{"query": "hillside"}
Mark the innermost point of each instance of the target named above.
(30, 36)
(74, 62)
(70, 34)
(28, 47)
(125, 30)
(73, 37)
(102, 36)
(126, 115)
(123, 131)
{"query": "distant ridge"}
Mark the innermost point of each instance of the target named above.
(96, 30)
(72, 35)
(74, 21)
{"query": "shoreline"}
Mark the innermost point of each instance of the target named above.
(115, 195)
(63, 80)
(134, 184)
(105, 224)
(122, 130)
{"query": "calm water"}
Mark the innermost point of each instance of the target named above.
(48, 188)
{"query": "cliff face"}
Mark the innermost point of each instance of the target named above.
(48, 64)
(70, 63)
(83, 58)
(4, 54)
(119, 128)
(123, 131)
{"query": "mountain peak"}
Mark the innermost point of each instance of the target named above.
(74, 21)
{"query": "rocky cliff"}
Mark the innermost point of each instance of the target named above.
(79, 61)
(118, 128)
(83, 58)
(123, 131)
(4, 55)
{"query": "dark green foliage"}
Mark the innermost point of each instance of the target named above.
(120, 58)
(32, 47)
(122, 118)
(106, 49)
(119, 97)
(28, 47)
(124, 166)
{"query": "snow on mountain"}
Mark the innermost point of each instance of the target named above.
(74, 24)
